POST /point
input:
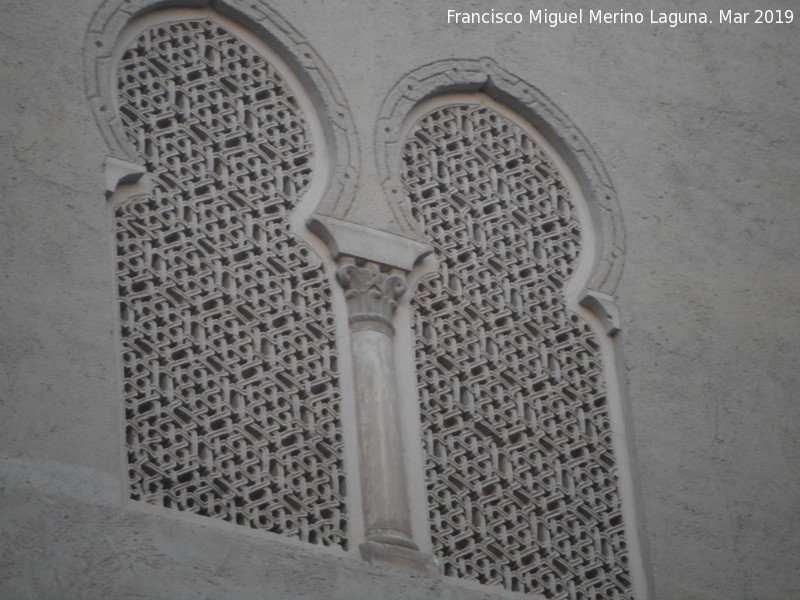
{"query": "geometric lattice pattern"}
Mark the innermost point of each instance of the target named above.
(231, 387)
(521, 477)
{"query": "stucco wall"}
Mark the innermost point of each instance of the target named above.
(697, 127)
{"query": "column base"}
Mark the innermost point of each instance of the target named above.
(392, 555)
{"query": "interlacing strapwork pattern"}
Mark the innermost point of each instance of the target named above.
(230, 369)
(521, 477)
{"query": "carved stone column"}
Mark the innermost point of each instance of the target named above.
(372, 271)
(372, 296)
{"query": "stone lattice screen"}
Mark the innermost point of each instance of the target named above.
(521, 477)
(230, 368)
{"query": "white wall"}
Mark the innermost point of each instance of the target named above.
(698, 128)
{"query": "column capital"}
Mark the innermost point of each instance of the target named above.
(371, 292)
(372, 266)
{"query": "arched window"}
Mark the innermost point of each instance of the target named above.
(231, 382)
(231, 377)
(520, 471)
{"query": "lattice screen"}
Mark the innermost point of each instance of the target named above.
(522, 485)
(230, 369)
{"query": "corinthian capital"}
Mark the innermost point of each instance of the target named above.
(371, 294)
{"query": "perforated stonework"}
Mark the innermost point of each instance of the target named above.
(522, 485)
(230, 370)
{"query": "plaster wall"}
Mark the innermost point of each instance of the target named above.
(697, 127)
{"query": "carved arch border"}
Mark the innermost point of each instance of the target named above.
(111, 19)
(485, 76)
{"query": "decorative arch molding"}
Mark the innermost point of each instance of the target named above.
(484, 76)
(100, 55)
